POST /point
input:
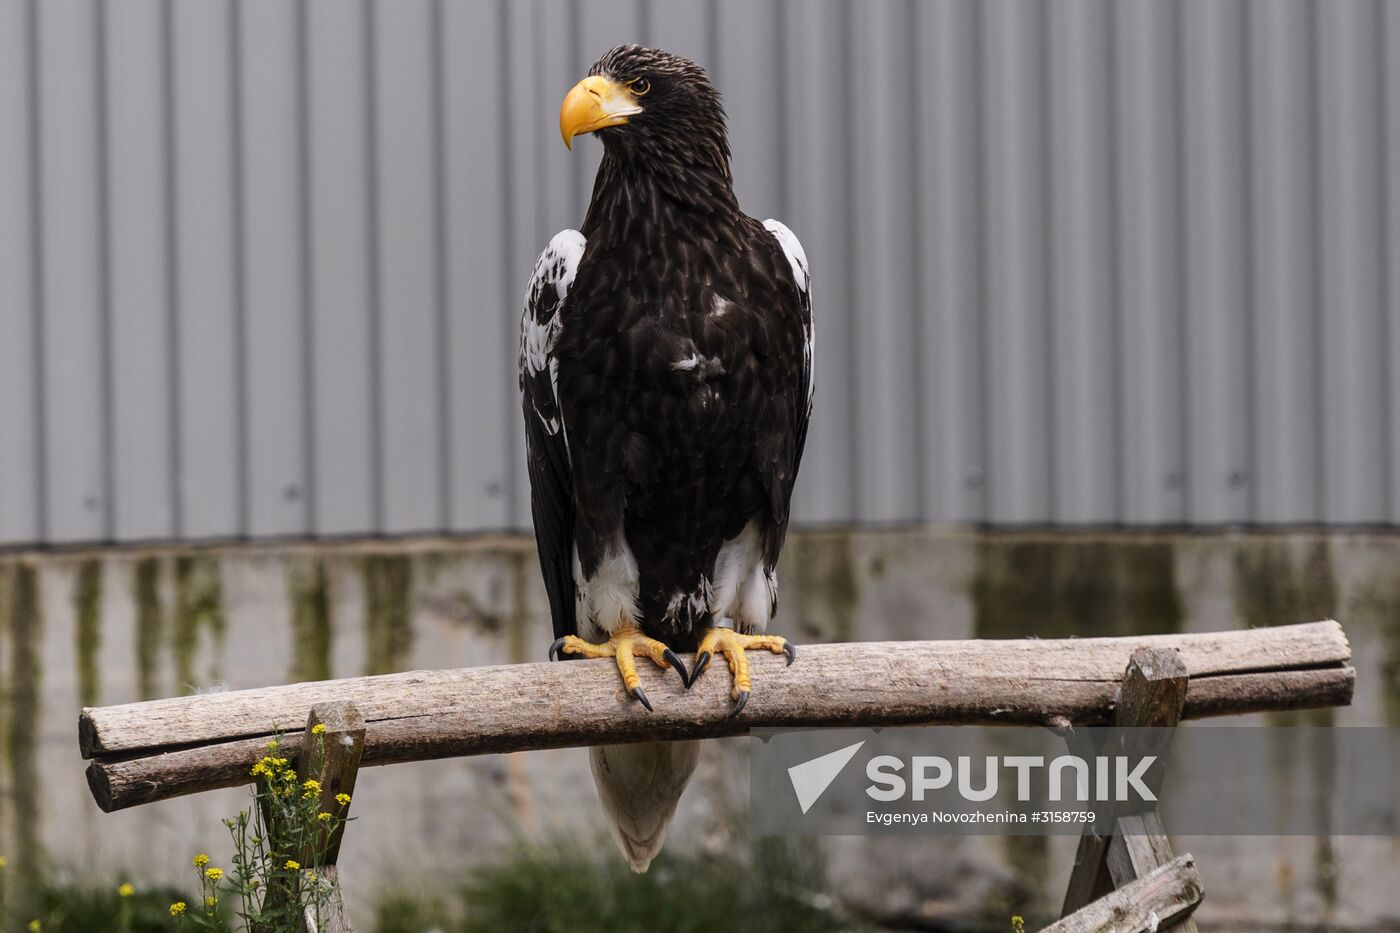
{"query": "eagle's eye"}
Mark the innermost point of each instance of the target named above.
(639, 86)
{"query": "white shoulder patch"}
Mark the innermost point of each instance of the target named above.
(541, 321)
(792, 248)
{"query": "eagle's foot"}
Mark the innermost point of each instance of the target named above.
(623, 646)
(732, 645)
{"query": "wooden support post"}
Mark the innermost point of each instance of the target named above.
(1152, 697)
(331, 757)
(1151, 903)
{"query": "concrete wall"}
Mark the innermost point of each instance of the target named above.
(112, 627)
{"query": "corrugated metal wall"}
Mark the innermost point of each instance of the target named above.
(1079, 261)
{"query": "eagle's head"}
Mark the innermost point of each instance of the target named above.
(647, 103)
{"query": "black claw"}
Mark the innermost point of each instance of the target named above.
(739, 707)
(675, 662)
(702, 662)
(554, 653)
(790, 650)
(639, 694)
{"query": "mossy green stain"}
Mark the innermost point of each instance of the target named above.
(388, 582)
(311, 620)
(1065, 587)
(1274, 585)
(21, 731)
(198, 609)
(821, 574)
(521, 567)
(145, 595)
(87, 630)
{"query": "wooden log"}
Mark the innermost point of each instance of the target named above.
(1154, 902)
(144, 751)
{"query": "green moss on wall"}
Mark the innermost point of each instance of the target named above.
(199, 609)
(388, 582)
(87, 630)
(21, 730)
(145, 595)
(522, 565)
(822, 582)
(311, 620)
(1063, 587)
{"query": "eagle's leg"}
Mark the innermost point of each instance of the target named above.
(623, 646)
(732, 645)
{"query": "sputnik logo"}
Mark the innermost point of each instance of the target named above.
(811, 778)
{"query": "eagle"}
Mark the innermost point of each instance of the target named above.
(666, 379)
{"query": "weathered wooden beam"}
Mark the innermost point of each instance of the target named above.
(1154, 902)
(166, 748)
(1152, 698)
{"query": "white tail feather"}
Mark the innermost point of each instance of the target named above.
(639, 786)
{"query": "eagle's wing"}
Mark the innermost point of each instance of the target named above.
(784, 472)
(547, 443)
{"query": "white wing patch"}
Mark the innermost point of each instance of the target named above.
(797, 258)
(541, 321)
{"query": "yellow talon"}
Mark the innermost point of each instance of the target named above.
(733, 646)
(622, 646)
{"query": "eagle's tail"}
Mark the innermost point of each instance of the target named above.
(639, 786)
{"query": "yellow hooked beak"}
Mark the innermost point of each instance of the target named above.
(594, 103)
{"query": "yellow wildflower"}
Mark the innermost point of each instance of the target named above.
(272, 746)
(201, 860)
(310, 875)
(1018, 924)
(3, 861)
(213, 874)
(125, 890)
(311, 785)
(318, 729)
(211, 901)
(292, 865)
(177, 908)
(343, 799)
(323, 816)
(35, 926)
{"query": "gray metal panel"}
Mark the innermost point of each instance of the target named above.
(1149, 355)
(482, 399)
(1216, 313)
(1353, 466)
(411, 446)
(1390, 95)
(1078, 262)
(1016, 367)
(950, 233)
(210, 420)
(882, 225)
(520, 227)
(1082, 242)
(816, 93)
(274, 289)
(343, 392)
(21, 460)
(1283, 282)
(748, 42)
(139, 262)
(74, 305)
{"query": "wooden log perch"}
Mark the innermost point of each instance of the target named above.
(1154, 902)
(143, 752)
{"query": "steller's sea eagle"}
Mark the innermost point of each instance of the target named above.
(666, 375)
